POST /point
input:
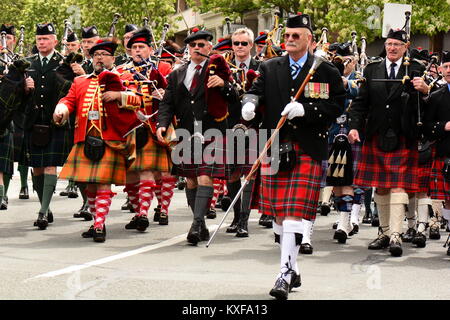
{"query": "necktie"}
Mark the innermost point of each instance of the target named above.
(392, 74)
(295, 68)
(243, 67)
(44, 62)
(196, 78)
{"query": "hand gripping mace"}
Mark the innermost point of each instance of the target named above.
(319, 57)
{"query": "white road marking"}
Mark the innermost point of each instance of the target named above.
(165, 243)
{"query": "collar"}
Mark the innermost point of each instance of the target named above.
(398, 62)
(192, 65)
(300, 61)
(49, 57)
(246, 61)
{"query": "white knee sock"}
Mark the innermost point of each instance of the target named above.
(307, 231)
(423, 213)
(289, 248)
(411, 216)
(355, 213)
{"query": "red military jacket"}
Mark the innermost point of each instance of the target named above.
(112, 121)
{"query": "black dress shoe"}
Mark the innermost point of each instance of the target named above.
(280, 290)
(340, 236)
(204, 232)
(434, 233)
(325, 209)
(242, 226)
(42, 221)
(73, 192)
(89, 233)
(375, 221)
(50, 216)
(23, 194)
(379, 243)
(420, 240)
(181, 183)
(395, 248)
(193, 236)
(233, 226)
(306, 248)
(163, 219)
(142, 223)
(211, 214)
(65, 192)
(367, 219)
(132, 224)
(261, 219)
(157, 213)
(268, 222)
(355, 229)
(225, 203)
(4, 203)
(99, 235)
(409, 235)
(296, 281)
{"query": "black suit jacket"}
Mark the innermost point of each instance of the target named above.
(274, 88)
(179, 102)
(437, 114)
(380, 106)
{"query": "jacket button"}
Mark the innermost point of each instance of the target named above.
(43, 77)
(192, 101)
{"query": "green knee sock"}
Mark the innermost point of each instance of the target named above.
(6, 180)
(47, 191)
(38, 185)
(23, 175)
(2, 191)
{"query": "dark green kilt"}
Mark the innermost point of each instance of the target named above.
(7, 153)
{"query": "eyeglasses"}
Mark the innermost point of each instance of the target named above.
(395, 45)
(243, 43)
(198, 44)
(294, 36)
(101, 55)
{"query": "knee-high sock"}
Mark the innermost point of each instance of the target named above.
(423, 213)
(397, 212)
(190, 197)
(278, 233)
(411, 214)
(446, 215)
(6, 181)
(290, 247)
(145, 196)
(233, 189)
(167, 186)
(2, 191)
(217, 184)
(102, 204)
(247, 196)
(132, 190)
(91, 196)
(47, 192)
(38, 185)
(202, 202)
(157, 191)
(383, 208)
(326, 194)
(23, 170)
(344, 205)
(307, 231)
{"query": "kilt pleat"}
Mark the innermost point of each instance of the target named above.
(7, 153)
(19, 145)
(152, 157)
(397, 169)
(52, 155)
(439, 188)
(292, 193)
(111, 169)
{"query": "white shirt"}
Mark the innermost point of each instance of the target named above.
(247, 63)
(397, 67)
(190, 72)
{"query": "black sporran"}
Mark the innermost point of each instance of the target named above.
(41, 135)
(388, 141)
(424, 152)
(94, 148)
(141, 137)
(286, 157)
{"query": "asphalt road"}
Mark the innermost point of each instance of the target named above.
(159, 264)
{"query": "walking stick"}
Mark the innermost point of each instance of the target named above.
(319, 57)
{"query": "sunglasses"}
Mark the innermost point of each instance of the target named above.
(198, 44)
(243, 43)
(294, 36)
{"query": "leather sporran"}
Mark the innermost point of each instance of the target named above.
(425, 155)
(286, 157)
(41, 135)
(388, 141)
(141, 137)
(94, 148)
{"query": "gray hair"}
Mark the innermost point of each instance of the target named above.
(246, 31)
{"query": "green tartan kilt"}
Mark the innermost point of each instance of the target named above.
(7, 153)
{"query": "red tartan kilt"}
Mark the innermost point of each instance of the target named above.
(397, 169)
(439, 188)
(425, 173)
(292, 193)
(213, 162)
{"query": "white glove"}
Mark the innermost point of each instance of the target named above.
(248, 111)
(293, 109)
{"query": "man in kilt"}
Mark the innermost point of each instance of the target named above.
(389, 158)
(242, 43)
(47, 144)
(437, 126)
(186, 97)
(99, 156)
(150, 172)
(292, 193)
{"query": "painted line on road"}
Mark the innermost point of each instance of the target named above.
(165, 243)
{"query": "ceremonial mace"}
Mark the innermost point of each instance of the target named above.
(319, 57)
